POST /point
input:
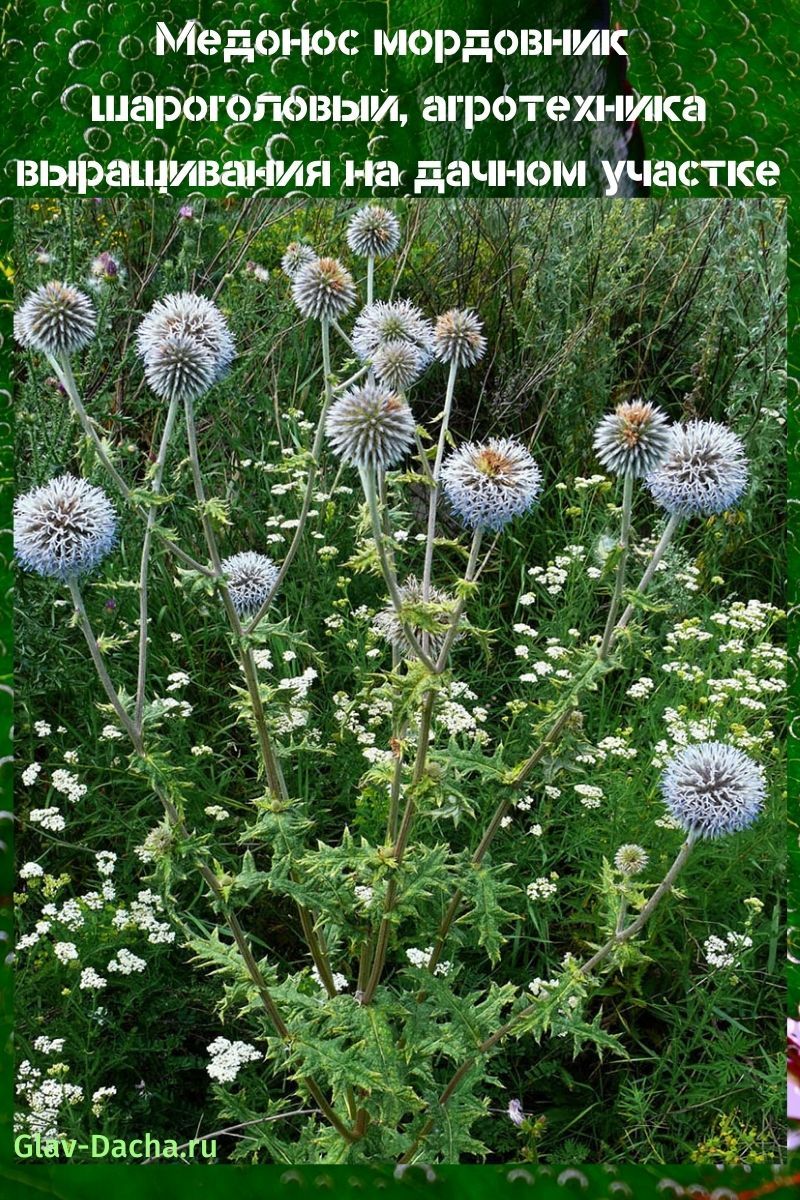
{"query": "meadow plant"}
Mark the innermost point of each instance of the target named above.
(373, 1038)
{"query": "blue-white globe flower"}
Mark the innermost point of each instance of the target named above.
(193, 316)
(56, 318)
(251, 578)
(390, 321)
(434, 617)
(64, 528)
(705, 470)
(371, 427)
(323, 289)
(489, 484)
(458, 337)
(633, 439)
(295, 256)
(398, 364)
(179, 368)
(712, 789)
(373, 232)
(631, 859)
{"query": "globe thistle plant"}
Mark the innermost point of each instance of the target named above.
(295, 256)
(371, 427)
(64, 528)
(712, 789)
(633, 439)
(388, 321)
(324, 289)
(57, 319)
(251, 579)
(179, 368)
(438, 608)
(186, 313)
(373, 232)
(398, 364)
(458, 338)
(489, 484)
(631, 859)
(704, 472)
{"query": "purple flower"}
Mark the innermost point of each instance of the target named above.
(186, 212)
(515, 1112)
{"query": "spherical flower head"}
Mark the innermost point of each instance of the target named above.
(179, 368)
(370, 427)
(324, 289)
(389, 626)
(631, 859)
(392, 321)
(186, 313)
(373, 232)
(705, 470)
(105, 266)
(712, 789)
(398, 364)
(633, 439)
(295, 256)
(458, 337)
(57, 319)
(491, 483)
(64, 528)
(251, 578)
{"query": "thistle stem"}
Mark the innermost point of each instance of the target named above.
(622, 563)
(316, 455)
(433, 499)
(99, 663)
(370, 277)
(144, 570)
(586, 968)
(644, 583)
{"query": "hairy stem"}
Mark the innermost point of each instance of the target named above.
(656, 557)
(144, 570)
(433, 499)
(316, 455)
(619, 581)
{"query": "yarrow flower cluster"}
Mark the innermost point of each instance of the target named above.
(705, 470)
(458, 338)
(185, 345)
(370, 427)
(712, 789)
(438, 609)
(634, 439)
(323, 289)
(373, 232)
(64, 528)
(251, 578)
(488, 485)
(228, 1058)
(57, 319)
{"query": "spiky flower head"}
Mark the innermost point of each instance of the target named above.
(489, 484)
(705, 470)
(179, 368)
(458, 337)
(324, 289)
(373, 232)
(392, 321)
(633, 439)
(295, 256)
(631, 859)
(195, 317)
(370, 427)
(251, 578)
(437, 611)
(63, 528)
(712, 789)
(398, 364)
(57, 319)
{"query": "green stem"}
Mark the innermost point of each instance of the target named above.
(622, 563)
(658, 553)
(370, 278)
(434, 496)
(97, 659)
